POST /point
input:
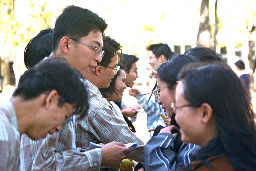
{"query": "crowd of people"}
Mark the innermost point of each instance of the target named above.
(199, 111)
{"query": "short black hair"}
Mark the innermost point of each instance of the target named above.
(76, 22)
(111, 48)
(161, 49)
(38, 48)
(54, 73)
(127, 61)
(240, 64)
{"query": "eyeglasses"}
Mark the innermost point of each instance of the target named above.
(116, 68)
(96, 49)
(179, 107)
(158, 90)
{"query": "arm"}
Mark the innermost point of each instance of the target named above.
(58, 152)
(150, 107)
(104, 125)
(158, 152)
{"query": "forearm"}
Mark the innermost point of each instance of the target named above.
(52, 157)
(150, 107)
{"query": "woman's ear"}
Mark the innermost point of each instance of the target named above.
(64, 44)
(206, 112)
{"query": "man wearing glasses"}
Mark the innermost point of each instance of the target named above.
(103, 125)
(78, 38)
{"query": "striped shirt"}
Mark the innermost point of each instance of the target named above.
(104, 125)
(9, 137)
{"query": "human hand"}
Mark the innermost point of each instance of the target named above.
(136, 107)
(152, 73)
(171, 130)
(167, 121)
(152, 129)
(113, 153)
(129, 112)
(133, 92)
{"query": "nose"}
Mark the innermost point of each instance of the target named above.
(159, 101)
(115, 72)
(124, 86)
(98, 58)
(58, 128)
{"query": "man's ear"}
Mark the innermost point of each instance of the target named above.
(98, 70)
(52, 97)
(64, 44)
(206, 113)
(162, 59)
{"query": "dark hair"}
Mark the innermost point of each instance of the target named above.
(240, 64)
(127, 61)
(106, 92)
(38, 48)
(54, 74)
(202, 54)
(111, 48)
(161, 49)
(169, 70)
(76, 22)
(221, 88)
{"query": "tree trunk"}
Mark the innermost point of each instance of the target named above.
(204, 36)
(216, 25)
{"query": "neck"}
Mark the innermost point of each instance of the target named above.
(24, 111)
(211, 134)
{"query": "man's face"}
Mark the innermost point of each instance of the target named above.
(83, 57)
(153, 61)
(107, 73)
(131, 76)
(49, 119)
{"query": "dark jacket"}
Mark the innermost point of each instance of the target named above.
(216, 163)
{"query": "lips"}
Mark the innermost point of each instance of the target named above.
(93, 68)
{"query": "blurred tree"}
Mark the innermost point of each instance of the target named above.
(204, 36)
(216, 29)
(250, 20)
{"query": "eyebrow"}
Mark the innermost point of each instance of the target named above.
(97, 43)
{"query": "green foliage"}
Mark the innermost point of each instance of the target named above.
(16, 31)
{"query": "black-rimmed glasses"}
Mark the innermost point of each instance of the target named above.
(157, 91)
(96, 49)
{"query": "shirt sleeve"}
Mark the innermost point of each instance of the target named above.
(151, 107)
(159, 154)
(103, 124)
(58, 152)
(28, 151)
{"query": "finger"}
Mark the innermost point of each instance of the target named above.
(152, 129)
(175, 134)
(120, 144)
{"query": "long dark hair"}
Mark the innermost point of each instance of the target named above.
(221, 88)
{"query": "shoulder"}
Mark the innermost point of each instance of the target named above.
(220, 162)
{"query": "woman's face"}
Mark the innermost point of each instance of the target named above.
(166, 96)
(120, 86)
(189, 119)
